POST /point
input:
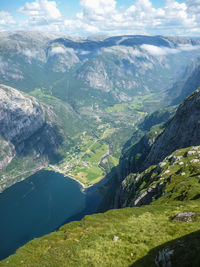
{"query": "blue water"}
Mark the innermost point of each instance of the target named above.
(37, 206)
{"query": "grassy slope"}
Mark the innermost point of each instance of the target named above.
(142, 233)
(177, 177)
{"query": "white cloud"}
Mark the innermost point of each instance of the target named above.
(83, 52)
(98, 8)
(103, 16)
(30, 53)
(127, 51)
(158, 51)
(140, 18)
(57, 50)
(6, 18)
(163, 51)
(188, 47)
(41, 12)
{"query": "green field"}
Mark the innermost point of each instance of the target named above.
(82, 161)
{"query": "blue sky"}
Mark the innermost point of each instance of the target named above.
(109, 17)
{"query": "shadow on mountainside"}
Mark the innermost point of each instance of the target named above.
(46, 142)
(183, 251)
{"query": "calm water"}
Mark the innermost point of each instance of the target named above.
(37, 206)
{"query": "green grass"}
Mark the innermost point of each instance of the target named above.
(179, 174)
(93, 152)
(138, 104)
(142, 233)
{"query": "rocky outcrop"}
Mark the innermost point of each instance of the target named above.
(175, 178)
(139, 181)
(164, 258)
(186, 216)
(20, 115)
(96, 76)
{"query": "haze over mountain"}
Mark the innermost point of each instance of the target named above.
(127, 65)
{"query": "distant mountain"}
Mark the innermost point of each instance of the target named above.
(114, 68)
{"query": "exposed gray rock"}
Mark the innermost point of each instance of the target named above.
(96, 76)
(194, 161)
(20, 115)
(185, 216)
(25, 135)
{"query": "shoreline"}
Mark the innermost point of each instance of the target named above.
(84, 187)
(55, 169)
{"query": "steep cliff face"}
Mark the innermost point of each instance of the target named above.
(165, 172)
(20, 116)
(30, 136)
(182, 131)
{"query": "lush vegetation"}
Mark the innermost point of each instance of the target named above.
(117, 238)
(131, 236)
(93, 137)
(175, 178)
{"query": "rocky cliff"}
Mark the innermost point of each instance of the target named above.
(29, 135)
(20, 115)
(182, 131)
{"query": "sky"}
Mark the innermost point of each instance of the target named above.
(107, 17)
